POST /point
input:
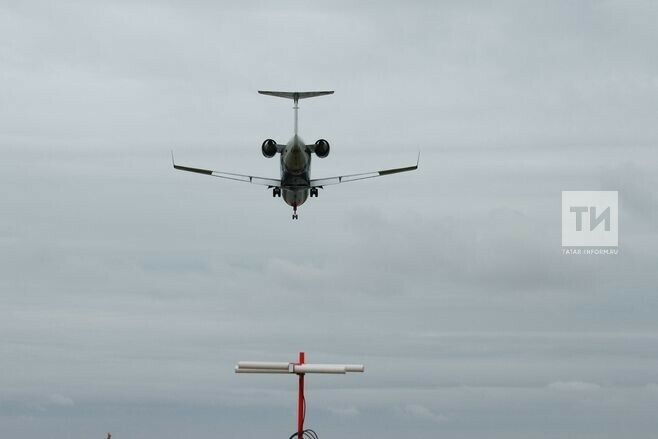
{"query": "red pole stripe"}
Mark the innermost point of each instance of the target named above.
(300, 401)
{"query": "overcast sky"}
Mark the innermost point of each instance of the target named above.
(129, 290)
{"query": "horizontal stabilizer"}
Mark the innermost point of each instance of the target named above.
(295, 94)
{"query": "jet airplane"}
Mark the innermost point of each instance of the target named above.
(295, 183)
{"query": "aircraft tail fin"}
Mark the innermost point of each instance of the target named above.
(295, 95)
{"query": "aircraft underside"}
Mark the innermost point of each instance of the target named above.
(295, 189)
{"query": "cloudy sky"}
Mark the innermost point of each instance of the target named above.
(128, 290)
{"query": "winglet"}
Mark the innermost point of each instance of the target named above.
(418, 159)
(172, 159)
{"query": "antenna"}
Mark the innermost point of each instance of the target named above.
(300, 368)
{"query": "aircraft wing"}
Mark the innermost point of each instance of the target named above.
(354, 177)
(270, 182)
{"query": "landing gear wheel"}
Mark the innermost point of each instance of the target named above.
(276, 192)
(314, 192)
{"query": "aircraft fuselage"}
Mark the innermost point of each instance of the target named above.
(295, 172)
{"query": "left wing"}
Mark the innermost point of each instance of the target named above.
(354, 177)
(270, 182)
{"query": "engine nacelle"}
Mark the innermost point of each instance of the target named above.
(322, 148)
(269, 148)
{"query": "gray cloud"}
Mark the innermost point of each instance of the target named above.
(129, 291)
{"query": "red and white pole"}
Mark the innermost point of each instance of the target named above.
(300, 402)
(301, 368)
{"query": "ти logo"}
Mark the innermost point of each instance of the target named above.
(590, 218)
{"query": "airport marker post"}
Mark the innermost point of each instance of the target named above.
(300, 401)
(301, 368)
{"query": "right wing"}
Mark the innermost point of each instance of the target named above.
(354, 177)
(270, 182)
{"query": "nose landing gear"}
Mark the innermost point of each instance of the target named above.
(294, 213)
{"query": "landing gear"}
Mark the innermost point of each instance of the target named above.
(294, 213)
(314, 192)
(276, 192)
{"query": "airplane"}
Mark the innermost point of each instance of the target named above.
(295, 183)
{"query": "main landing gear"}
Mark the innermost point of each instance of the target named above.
(294, 213)
(276, 192)
(314, 192)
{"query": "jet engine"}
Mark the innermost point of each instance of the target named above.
(322, 148)
(269, 148)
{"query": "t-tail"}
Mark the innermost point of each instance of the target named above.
(295, 96)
